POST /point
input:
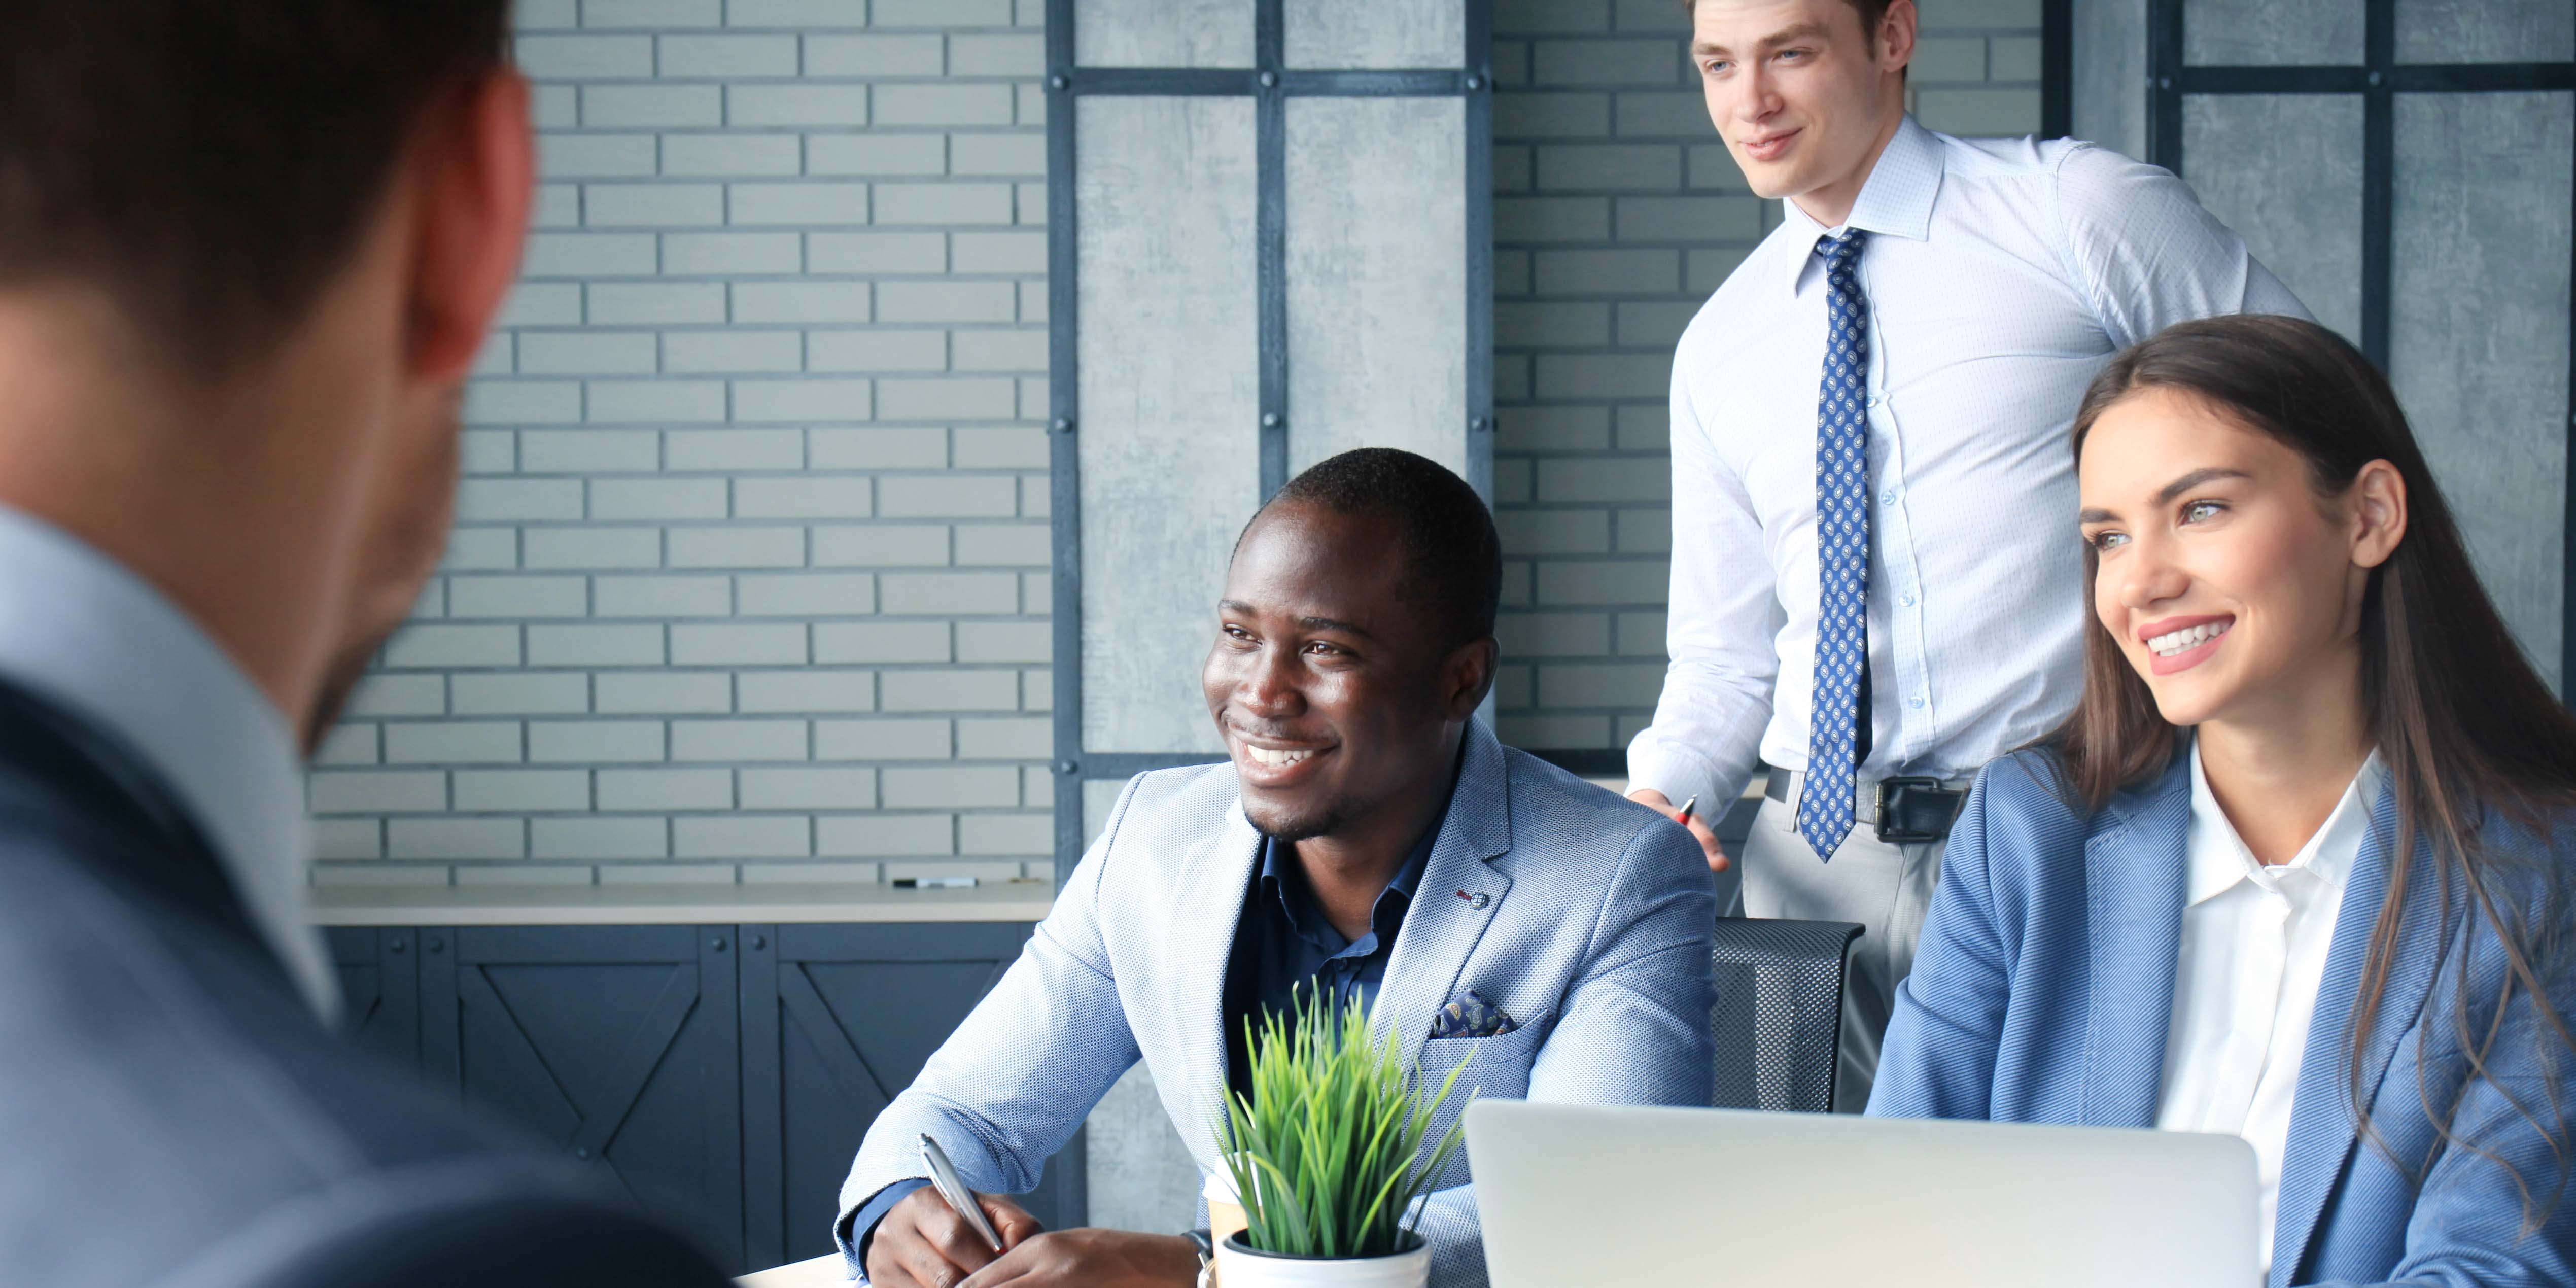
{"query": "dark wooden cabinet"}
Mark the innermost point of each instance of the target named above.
(379, 989)
(837, 1019)
(721, 1075)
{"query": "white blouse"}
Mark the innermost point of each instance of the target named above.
(2254, 944)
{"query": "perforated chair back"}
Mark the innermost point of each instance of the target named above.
(1779, 1012)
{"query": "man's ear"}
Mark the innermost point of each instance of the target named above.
(472, 164)
(1467, 674)
(1894, 43)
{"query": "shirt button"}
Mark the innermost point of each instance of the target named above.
(1887, 497)
(1907, 600)
(1915, 702)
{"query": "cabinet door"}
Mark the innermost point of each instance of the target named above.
(379, 990)
(837, 1020)
(616, 1042)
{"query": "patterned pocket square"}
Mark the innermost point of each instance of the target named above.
(1471, 1016)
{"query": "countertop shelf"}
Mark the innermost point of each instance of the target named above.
(630, 905)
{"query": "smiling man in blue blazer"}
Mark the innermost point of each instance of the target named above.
(1368, 838)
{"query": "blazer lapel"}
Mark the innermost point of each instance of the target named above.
(1459, 895)
(2134, 880)
(2323, 1127)
(1199, 944)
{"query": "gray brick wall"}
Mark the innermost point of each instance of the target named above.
(1616, 212)
(749, 579)
(749, 576)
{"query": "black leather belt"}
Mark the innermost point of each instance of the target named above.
(1900, 811)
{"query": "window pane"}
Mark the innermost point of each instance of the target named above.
(1099, 800)
(2285, 171)
(1162, 33)
(1170, 398)
(2478, 331)
(2271, 33)
(1375, 33)
(1140, 1175)
(1377, 277)
(2485, 31)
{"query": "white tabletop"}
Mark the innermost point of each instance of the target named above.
(827, 1269)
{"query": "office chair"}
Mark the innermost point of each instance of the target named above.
(1779, 1012)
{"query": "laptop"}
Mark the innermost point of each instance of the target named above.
(1585, 1194)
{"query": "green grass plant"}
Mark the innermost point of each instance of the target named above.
(1326, 1153)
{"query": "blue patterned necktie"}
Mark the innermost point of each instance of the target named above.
(1842, 555)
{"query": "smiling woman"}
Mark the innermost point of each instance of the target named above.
(2310, 824)
(2229, 571)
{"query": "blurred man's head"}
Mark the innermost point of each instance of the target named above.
(1805, 92)
(248, 252)
(1354, 640)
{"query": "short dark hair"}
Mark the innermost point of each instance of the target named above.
(209, 164)
(1453, 556)
(1872, 13)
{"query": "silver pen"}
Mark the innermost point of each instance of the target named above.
(943, 1177)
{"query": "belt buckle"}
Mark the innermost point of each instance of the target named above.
(1889, 791)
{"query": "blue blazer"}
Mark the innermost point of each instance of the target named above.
(2044, 988)
(1587, 918)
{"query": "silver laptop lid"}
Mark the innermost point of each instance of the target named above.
(1579, 1194)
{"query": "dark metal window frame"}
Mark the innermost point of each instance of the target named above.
(2378, 80)
(1270, 83)
(2056, 68)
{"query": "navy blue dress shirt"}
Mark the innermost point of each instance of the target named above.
(1285, 947)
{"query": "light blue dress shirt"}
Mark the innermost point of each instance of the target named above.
(2000, 275)
(82, 630)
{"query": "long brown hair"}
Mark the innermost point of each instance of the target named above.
(2465, 726)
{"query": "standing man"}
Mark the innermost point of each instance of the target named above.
(1876, 582)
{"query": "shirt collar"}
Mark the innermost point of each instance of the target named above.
(1296, 899)
(85, 632)
(2217, 855)
(1895, 200)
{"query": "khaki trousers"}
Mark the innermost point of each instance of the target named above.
(1884, 887)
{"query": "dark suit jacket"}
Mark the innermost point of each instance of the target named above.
(171, 1112)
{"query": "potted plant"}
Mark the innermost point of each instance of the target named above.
(1328, 1155)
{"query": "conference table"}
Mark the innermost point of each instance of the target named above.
(827, 1269)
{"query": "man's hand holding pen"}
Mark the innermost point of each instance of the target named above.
(1687, 816)
(923, 1243)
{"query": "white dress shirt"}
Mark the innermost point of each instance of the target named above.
(2254, 944)
(2000, 275)
(82, 630)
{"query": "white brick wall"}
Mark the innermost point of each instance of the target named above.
(1617, 211)
(749, 576)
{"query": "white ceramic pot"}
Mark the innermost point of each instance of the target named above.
(1224, 1208)
(1238, 1266)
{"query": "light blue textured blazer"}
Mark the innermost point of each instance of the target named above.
(2044, 989)
(1585, 917)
